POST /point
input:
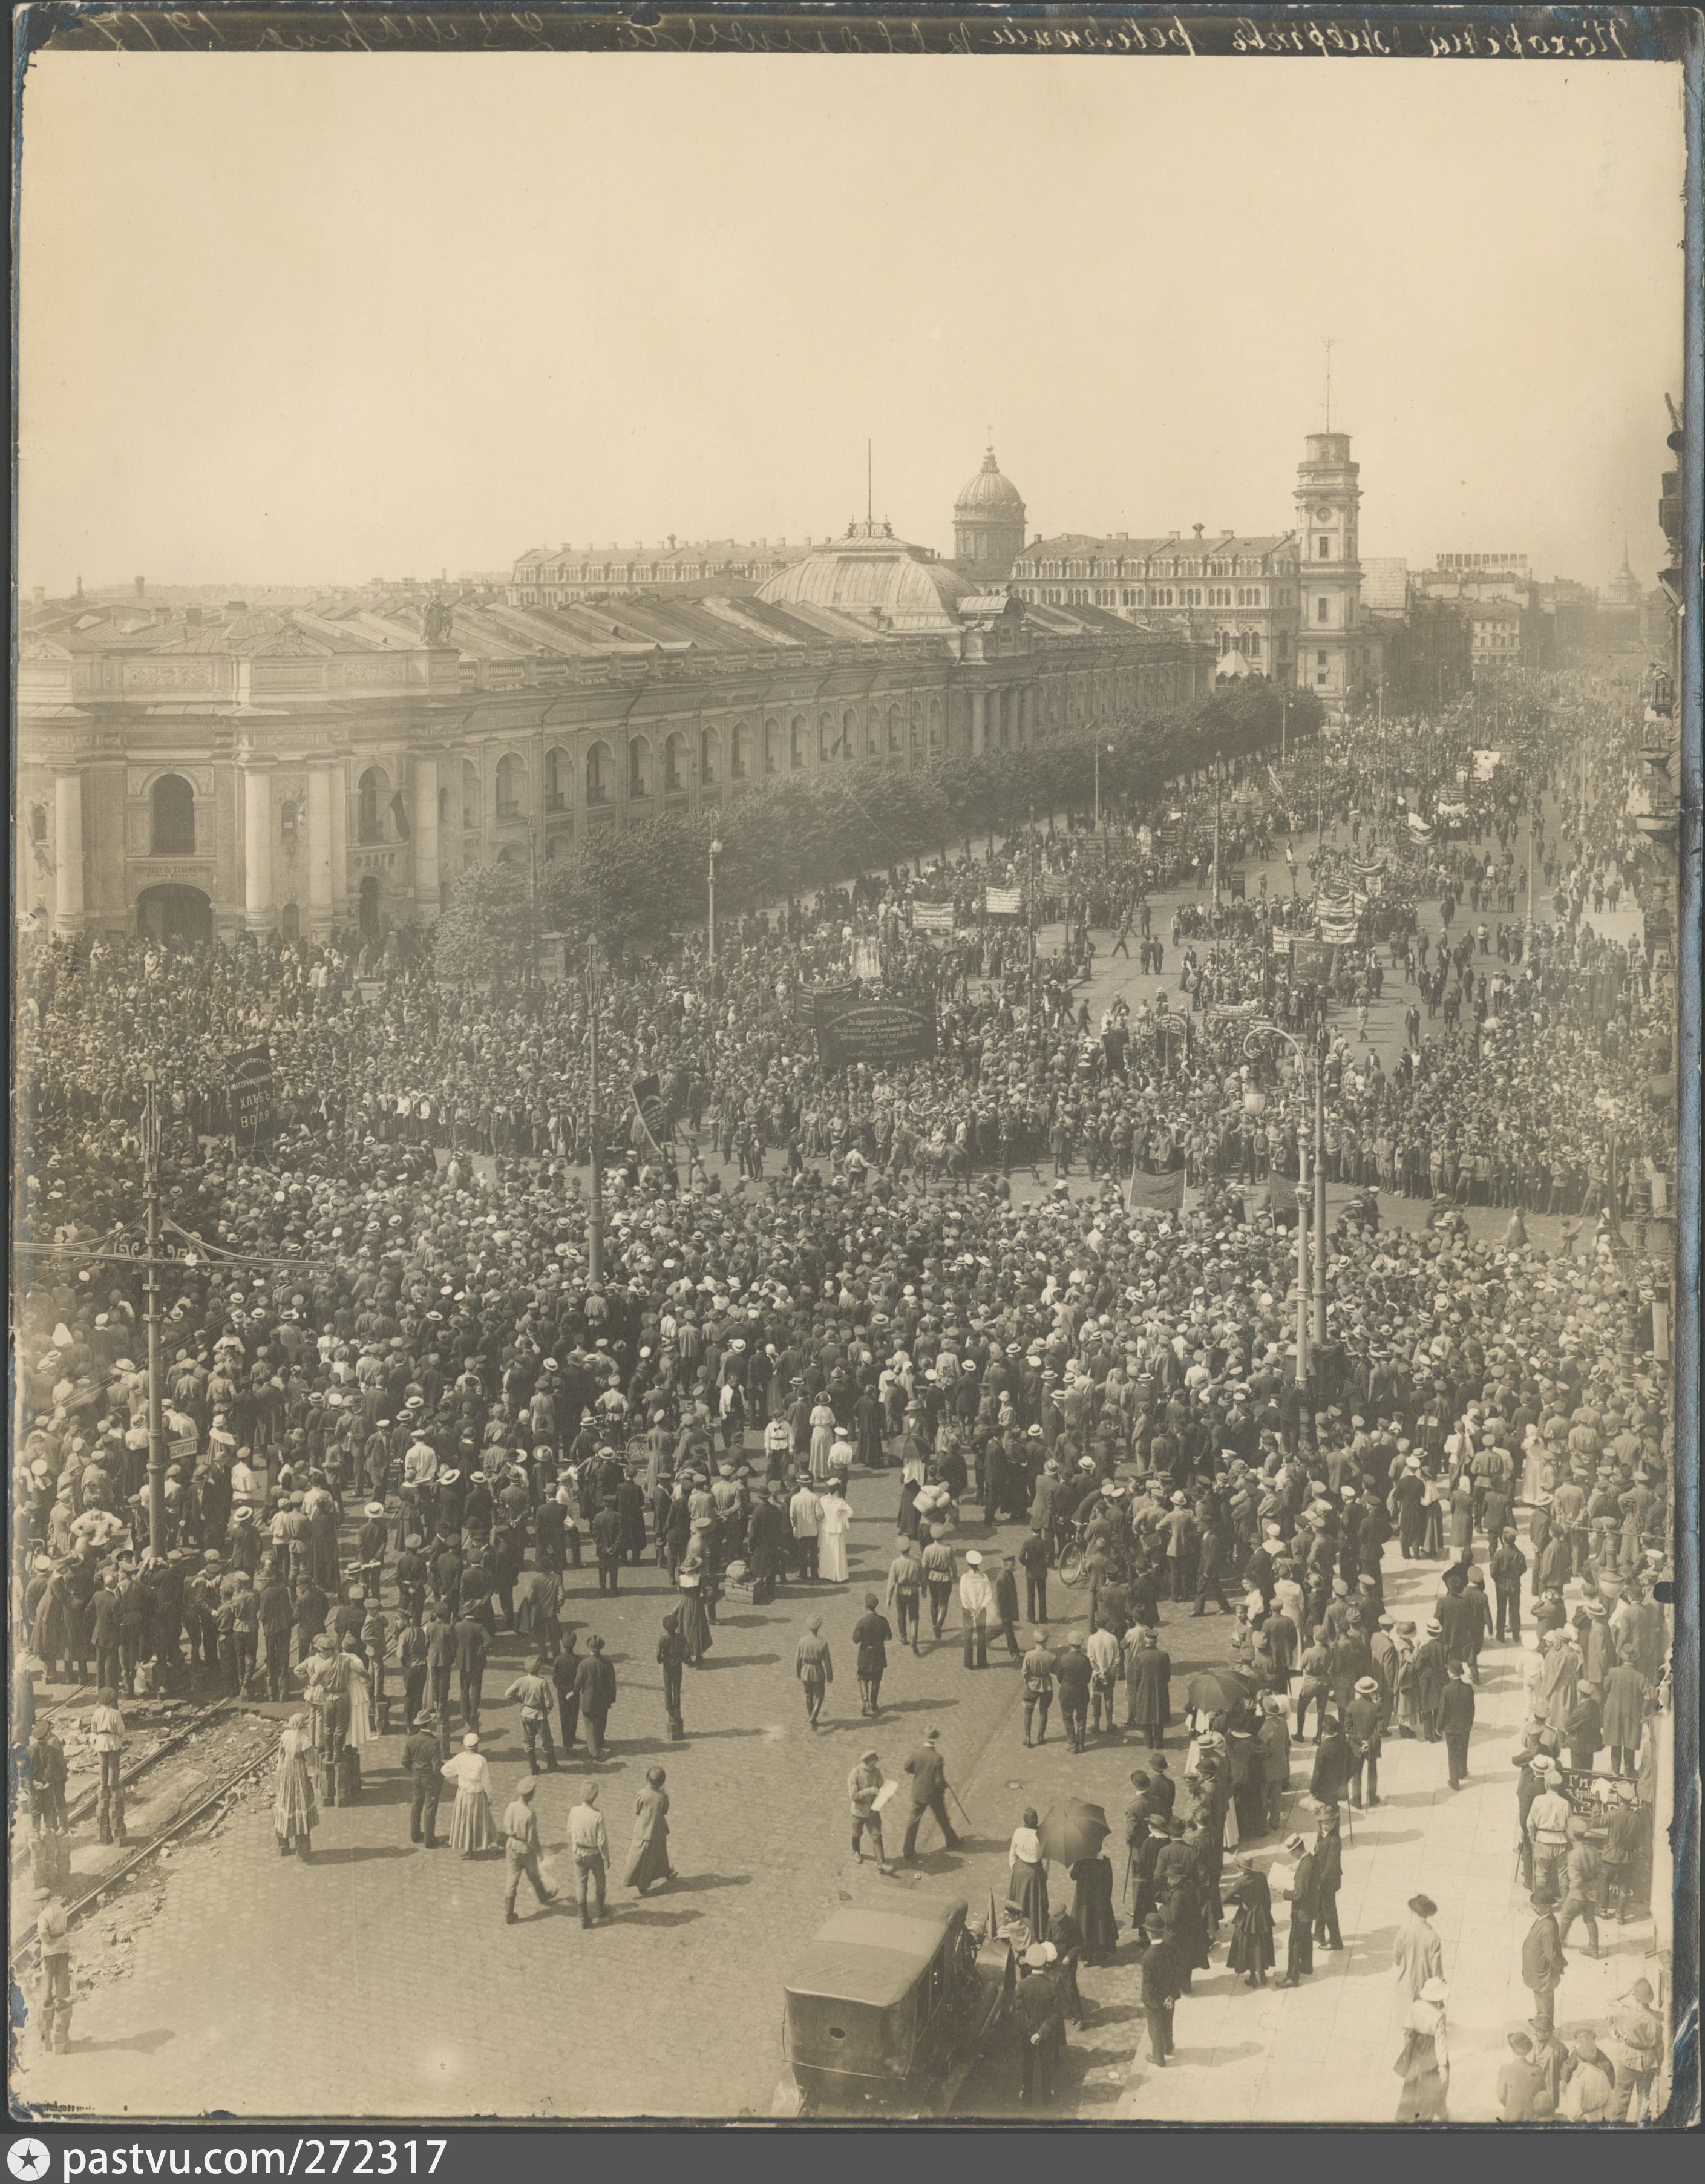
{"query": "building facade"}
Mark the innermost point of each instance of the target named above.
(1232, 593)
(552, 577)
(335, 766)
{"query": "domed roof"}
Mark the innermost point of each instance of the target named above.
(990, 494)
(873, 577)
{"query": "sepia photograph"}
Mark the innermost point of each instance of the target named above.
(846, 857)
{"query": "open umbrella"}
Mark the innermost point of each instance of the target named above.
(1073, 1830)
(1218, 1690)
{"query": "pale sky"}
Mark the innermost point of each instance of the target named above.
(317, 318)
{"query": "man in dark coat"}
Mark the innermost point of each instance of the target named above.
(1041, 2025)
(1299, 1954)
(1507, 1567)
(595, 1686)
(1163, 1982)
(1364, 1719)
(929, 1773)
(1329, 1783)
(423, 1761)
(1543, 1962)
(608, 1536)
(1329, 1879)
(1148, 1686)
(1454, 1718)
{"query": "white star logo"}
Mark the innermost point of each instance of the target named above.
(28, 2158)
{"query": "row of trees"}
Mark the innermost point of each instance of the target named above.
(800, 832)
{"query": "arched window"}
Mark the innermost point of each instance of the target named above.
(556, 778)
(374, 792)
(825, 738)
(287, 823)
(290, 925)
(511, 788)
(740, 752)
(674, 764)
(172, 833)
(710, 756)
(641, 779)
(38, 826)
(472, 797)
(893, 728)
(918, 724)
(796, 741)
(772, 747)
(599, 772)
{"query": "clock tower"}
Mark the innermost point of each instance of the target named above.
(1336, 653)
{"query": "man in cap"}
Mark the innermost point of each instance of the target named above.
(1072, 1675)
(521, 1849)
(53, 1945)
(814, 1668)
(1547, 1827)
(589, 1843)
(864, 1786)
(976, 1600)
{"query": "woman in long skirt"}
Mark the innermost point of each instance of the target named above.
(1092, 1907)
(832, 1534)
(363, 1728)
(648, 1854)
(470, 1820)
(822, 1439)
(1424, 2060)
(1026, 1883)
(295, 1809)
(1252, 1952)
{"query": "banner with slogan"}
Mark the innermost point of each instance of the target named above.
(880, 1034)
(931, 918)
(1003, 901)
(811, 1004)
(253, 1093)
(1420, 829)
(1486, 764)
(1313, 962)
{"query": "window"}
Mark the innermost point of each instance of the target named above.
(471, 793)
(848, 737)
(38, 826)
(826, 735)
(1320, 659)
(598, 773)
(796, 741)
(374, 793)
(740, 753)
(511, 788)
(710, 756)
(555, 778)
(172, 833)
(286, 824)
(640, 783)
(893, 728)
(1325, 550)
(1320, 609)
(674, 764)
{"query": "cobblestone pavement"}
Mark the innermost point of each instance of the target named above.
(379, 1980)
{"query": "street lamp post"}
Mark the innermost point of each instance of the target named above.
(715, 852)
(151, 1192)
(1254, 1034)
(1098, 781)
(594, 1229)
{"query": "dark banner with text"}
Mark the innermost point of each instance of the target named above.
(880, 1034)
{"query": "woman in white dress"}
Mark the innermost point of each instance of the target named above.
(822, 1439)
(470, 1822)
(832, 1534)
(364, 1730)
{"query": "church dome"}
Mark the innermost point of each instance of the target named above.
(989, 495)
(872, 576)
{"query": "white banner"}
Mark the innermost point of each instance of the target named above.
(931, 918)
(1003, 901)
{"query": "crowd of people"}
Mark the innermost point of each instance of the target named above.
(402, 1415)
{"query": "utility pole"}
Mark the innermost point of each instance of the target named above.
(594, 1234)
(151, 1193)
(715, 852)
(1302, 1252)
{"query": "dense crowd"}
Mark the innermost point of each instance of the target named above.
(405, 1410)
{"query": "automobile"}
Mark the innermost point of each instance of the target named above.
(891, 2010)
